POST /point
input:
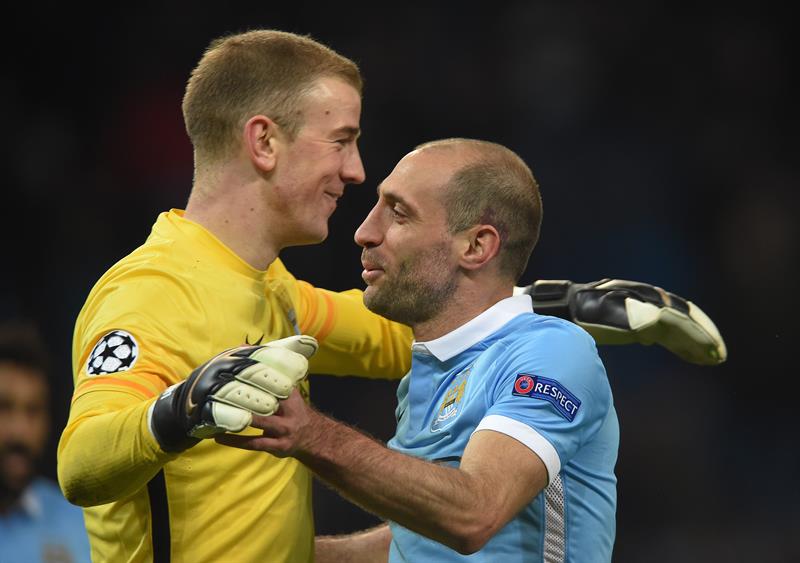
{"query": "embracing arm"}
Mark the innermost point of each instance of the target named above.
(352, 339)
(461, 508)
(631, 312)
(355, 341)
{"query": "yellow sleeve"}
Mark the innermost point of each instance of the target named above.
(353, 340)
(106, 451)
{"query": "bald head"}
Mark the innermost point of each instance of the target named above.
(490, 184)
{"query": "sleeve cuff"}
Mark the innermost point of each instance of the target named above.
(528, 436)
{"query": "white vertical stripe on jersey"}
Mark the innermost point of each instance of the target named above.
(554, 531)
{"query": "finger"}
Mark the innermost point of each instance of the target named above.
(253, 443)
(270, 425)
(292, 364)
(692, 340)
(230, 418)
(293, 402)
(299, 343)
(719, 352)
(240, 395)
(270, 379)
(640, 314)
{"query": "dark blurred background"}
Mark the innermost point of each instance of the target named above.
(665, 140)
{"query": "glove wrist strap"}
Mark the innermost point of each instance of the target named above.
(551, 297)
(163, 423)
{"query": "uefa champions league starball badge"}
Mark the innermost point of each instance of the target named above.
(116, 351)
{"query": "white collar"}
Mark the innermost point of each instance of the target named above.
(476, 329)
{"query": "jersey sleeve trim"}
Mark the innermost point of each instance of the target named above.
(327, 326)
(310, 314)
(528, 436)
(313, 312)
(108, 382)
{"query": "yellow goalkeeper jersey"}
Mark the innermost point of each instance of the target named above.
(160, 312)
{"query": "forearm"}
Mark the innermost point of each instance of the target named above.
(442, 503)
(105, 456)
(352, 339)
(368, 546)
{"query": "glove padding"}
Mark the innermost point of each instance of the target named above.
(222, 394)
(622, 312)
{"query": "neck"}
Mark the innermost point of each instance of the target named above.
(466, 304)
(232, 208)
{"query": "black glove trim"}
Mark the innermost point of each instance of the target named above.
(185, 406)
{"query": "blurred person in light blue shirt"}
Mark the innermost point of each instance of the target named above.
(36, 523)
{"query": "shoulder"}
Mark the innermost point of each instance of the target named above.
(144, 298)
(549, 347)
(135, 300)
(146, 279)
(542, 335)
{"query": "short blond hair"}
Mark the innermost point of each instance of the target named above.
(263, 72)
(497, 188)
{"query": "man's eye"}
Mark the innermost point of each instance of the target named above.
(397, 213)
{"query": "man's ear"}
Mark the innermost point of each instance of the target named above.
(261, 141)
(480, 244)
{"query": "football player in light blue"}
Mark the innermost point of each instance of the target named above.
(507, 435)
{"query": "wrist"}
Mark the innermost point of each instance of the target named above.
(320, 438)
(164, 423)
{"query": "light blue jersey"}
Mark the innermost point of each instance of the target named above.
(43, 527)
(539, 380)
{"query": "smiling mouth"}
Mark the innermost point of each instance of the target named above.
(370, 275)
(372, 270)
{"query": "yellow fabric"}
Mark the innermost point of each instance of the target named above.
(184, 297)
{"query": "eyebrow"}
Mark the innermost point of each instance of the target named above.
(354, 132)
(394, 198)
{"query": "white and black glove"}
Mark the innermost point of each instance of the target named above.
(624, 312)
(222, 394)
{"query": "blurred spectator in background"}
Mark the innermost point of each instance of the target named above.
(36, 522)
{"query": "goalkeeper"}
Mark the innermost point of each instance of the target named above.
(274, 121)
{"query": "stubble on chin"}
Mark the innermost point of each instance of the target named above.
(416, 293)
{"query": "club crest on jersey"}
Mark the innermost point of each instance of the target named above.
(451, 401)
(116, 351)
(550, 390)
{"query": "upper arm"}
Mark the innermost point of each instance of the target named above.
(509, 472)
(120, 348)
(552, 395)
(123, 357)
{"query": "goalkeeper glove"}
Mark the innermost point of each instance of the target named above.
(222, 394)
(622, 312)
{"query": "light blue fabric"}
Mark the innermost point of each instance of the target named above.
(43, 527)
(540, 380)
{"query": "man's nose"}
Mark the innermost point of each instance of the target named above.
(369, 232)
(353, 169)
